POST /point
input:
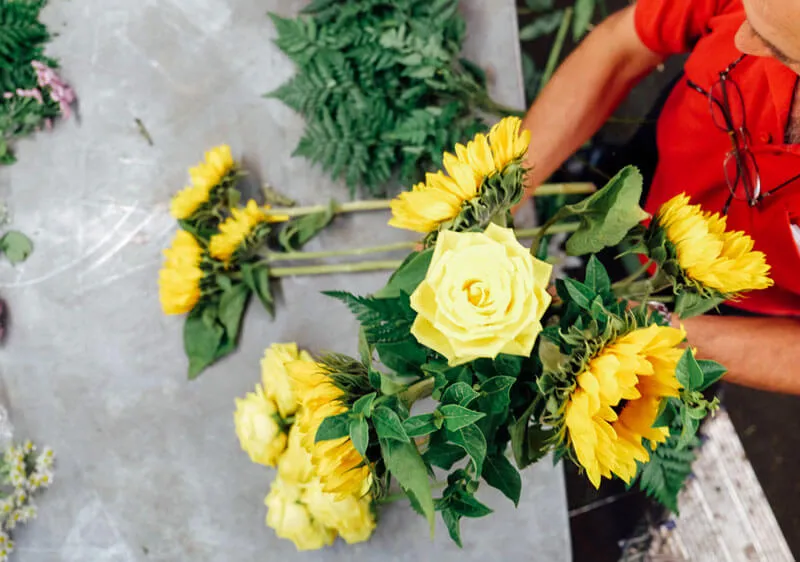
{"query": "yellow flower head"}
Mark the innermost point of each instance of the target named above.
(441, 197)
(236, 229)
(617, 399)
(205, 177)
(507, 142)
(708, 254)
(295, 464)
(258, 427)
(179, 278)
(350, 516)
(338, 464)
(292, 520)
(275, 377)
(484, 294)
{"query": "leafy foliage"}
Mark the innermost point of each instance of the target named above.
(663, 477)
(382, 87)
(22, 41)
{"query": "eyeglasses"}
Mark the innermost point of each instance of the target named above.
(726, 103)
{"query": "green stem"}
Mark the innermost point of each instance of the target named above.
(577, 188)
(270, 257)
(298, 256)
(543, 190)
(558, 45)
(349, 207)
(632, 277)
(549, 227)
(522, 233)
(335, 268)
(417, 391)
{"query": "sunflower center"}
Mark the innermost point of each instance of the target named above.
(477, 293)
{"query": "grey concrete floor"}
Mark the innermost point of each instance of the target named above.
(148, 464)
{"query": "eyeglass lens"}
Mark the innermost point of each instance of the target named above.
(727, 105)
(741, 174)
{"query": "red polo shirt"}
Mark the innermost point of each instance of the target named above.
(692, 150)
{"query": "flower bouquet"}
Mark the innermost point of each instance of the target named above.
(516, 368)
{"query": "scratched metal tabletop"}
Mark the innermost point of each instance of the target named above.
(148, 465)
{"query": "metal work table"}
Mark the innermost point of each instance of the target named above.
(148, 465)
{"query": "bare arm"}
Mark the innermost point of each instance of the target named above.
(761, 353)
(584, 91)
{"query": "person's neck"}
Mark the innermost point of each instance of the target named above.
(793, 126)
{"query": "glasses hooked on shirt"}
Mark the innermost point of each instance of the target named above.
(740, 168)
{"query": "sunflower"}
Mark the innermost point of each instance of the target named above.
(709, 254)
(340, 467)
(441, 197)
(617, 399)
(205, 177)
(180, 277)
(238, 228)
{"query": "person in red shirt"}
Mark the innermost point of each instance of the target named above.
(755, 46)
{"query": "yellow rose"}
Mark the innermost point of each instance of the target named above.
(295, 465)
(292, 520)
(484, 294)
(275, 377)
(258, 428)
(350, 516)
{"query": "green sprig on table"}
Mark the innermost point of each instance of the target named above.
(382, 87)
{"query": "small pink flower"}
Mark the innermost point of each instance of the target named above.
(60, 92)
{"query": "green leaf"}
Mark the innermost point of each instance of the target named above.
(584, 12)
(406, 465)
(298, 231)
(689, 303)
(231, 310)
(457, 417)
(459, 393)
(664, 475)
(388, 425)
(364, 348)
(375, 379)
(444, 455)
(688, 372)
(201, 338)
(256, 277)
(607, 215)
(405, 357)
(579, 293)
(471, 439)
(359, 435)
(408, 276)
(541, 26)
(597, 278)
(496, 390)
(452, 522)
(466, 505)
(418, 426)
(712, 372)
(364, 404)
(500, 473)
(16, 246)
(333, 427)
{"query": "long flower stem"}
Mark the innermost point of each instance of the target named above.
(298, 256)
(273, 257)
(629, 280)
(335, 268)
(544, 190)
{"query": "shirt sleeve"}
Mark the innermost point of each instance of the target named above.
(671, 27)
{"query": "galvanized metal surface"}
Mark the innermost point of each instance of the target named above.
(148, 465)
